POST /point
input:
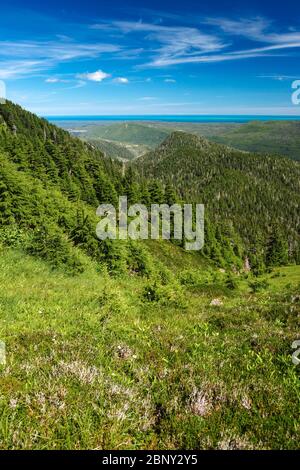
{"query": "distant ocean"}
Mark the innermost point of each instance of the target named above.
(175, 118)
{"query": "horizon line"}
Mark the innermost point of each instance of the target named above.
(167, 115)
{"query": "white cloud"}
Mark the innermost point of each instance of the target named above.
(169, 80)
(97, 76)
(121, 80)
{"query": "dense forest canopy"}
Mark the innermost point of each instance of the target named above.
(257, 196)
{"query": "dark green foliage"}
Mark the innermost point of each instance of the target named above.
(257, 285)
(84, 236)
(114, 255)
(151, 293)
(231, 282)
(277, 249)
(51, 245)
(139, 260)
(245, 196)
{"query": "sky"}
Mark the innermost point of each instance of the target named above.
(150, 57)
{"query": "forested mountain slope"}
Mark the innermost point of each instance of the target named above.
(275, 137)
(51, 185)
(258, 195)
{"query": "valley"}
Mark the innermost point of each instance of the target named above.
(268, 137)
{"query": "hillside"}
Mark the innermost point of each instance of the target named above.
(243, 190)
(128, 132)
(115, 150)
(51, 185)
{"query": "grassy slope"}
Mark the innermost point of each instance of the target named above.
(90, 364)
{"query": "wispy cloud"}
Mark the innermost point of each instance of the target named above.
(14, 62)
(122, 80)
(279, 78)
(252, 28)
(20, 68)
(56, 80)
(213, 41)
(163, 45)
(257, 29)
(60, 50)
(174, 41)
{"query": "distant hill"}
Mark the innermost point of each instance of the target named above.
(276, 137)
(129, 132)
(273, 137)
(252, 192)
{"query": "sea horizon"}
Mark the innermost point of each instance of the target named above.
(207, 118)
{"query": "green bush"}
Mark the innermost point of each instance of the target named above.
(53, 246)
(167, 295)
(139, 260)
(231, 283)
(258, 285)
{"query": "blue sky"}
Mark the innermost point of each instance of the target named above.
(158, 57)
